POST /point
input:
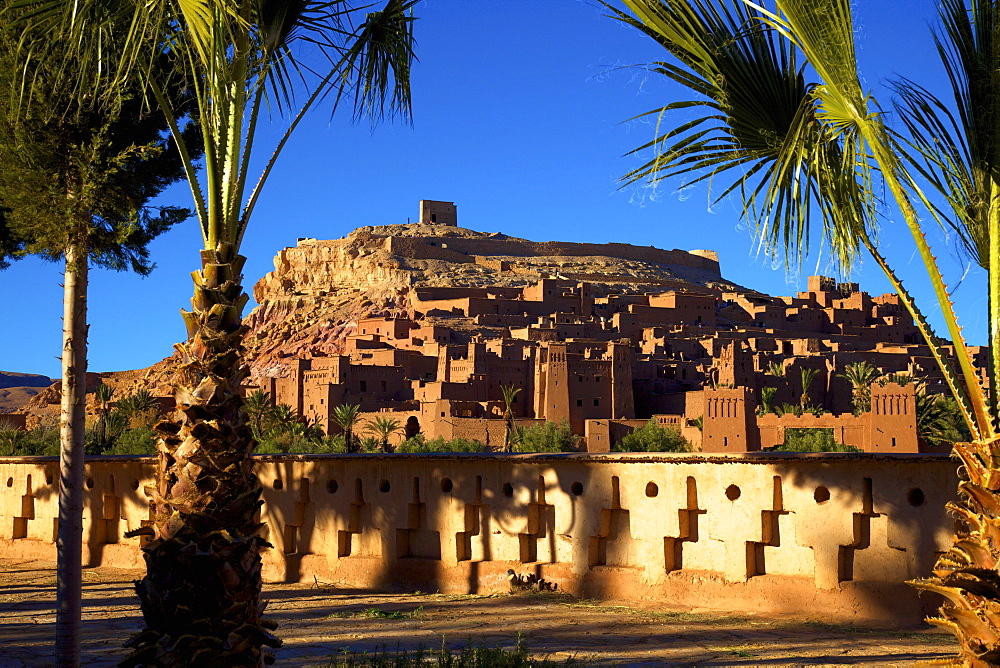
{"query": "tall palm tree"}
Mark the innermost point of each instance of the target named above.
(509, 396)
(805, 149)
(384, 428)
(346, 417)
(201, 592)
(103, 393)
(861, 375)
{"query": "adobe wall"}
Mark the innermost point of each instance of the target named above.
(822, 535)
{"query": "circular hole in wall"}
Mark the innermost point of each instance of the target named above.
(576, 488)
(652, 490)
(822, 494)
(446, 485)
(278, 484)
(48, 478)
(10, 482)
(331, 486)
(135, 484)
(733, 492)
(384, 486)
(915, 497)
(90, 483)
(508, 490)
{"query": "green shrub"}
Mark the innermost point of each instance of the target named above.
(419, 444)
(812, 440)
(138, 441)
(310, 443)
(42, 440)
(548, 437)
(651, 437)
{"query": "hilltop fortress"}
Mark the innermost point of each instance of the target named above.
(425, 322)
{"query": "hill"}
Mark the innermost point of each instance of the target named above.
(16, 389)
(320, 289)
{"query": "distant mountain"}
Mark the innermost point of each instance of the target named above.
(12, 379)
(16, 389)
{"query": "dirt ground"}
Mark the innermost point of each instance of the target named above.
(319, 622)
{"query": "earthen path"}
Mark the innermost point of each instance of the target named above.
(318, 622)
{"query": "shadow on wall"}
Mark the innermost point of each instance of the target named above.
(770, 532)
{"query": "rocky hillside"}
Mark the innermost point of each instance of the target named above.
(319, 289)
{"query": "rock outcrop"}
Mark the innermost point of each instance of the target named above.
(320, 289)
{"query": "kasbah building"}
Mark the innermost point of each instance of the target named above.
(693, 358)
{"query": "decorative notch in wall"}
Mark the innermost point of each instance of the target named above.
(541, 526)
(20, 529)
(473, 543)
(415, 540)
(612, 545)
(673, 546)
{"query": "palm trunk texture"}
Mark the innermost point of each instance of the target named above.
(201, 596)
(69, 540)
(967, 574)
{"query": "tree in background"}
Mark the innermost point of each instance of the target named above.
(806, 378)
(651, 437)
(509, 397)
(766, 400)
(812, 440)
(103, 393)
(201, 593)
(802, 150)
(547, 437)
(384, 428)
(346, 417)
(258, 406)
(861, 375)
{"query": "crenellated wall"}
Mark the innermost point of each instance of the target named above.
(830, 535)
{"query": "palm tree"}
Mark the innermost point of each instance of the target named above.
(201, 592)
(140, 405)
(806, 377)
(509, 397)
(103, 394)
(861, 375)
(803, 149)
(384, 427)
(258, 407)
(776, 369)
(346, 416)
(767, 400)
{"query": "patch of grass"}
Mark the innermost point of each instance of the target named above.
(377, 613)
(740, 652)
(676, 616)
(470, 656)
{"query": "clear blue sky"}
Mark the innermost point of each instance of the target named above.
(519, 118)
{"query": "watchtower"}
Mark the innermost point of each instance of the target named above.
(438, 213)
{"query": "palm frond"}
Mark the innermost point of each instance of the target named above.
(760, 127)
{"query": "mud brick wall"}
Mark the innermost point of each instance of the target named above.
(830, 535)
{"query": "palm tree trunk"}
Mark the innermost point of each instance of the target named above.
(967, 574)
(201, 593)
(69, 540)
